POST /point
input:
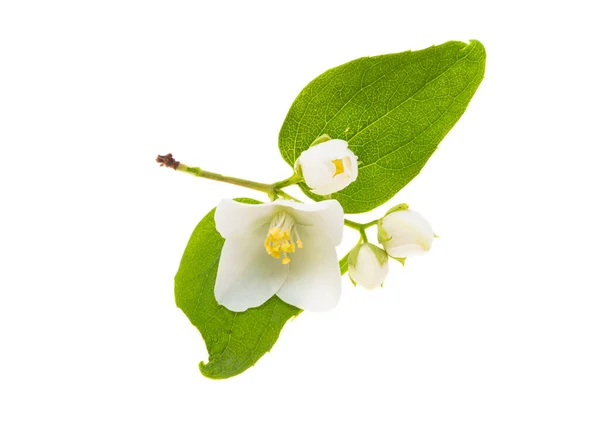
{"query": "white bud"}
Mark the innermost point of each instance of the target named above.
(404, 232)
(328, 165)
(368, 265)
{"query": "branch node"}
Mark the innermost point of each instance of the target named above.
(167, 161)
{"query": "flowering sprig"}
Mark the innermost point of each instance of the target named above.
(253, 234)
(354, 137)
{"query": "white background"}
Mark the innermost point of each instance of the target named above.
(500, 322)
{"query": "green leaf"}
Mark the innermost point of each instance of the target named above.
(393, 110)
(235, 340)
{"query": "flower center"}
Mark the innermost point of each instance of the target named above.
(339, 166)
(282, 237)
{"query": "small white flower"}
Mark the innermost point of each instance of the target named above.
(328, 166)
(368, 265)
(284, 248)
(405, 233)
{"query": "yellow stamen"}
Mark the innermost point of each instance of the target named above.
(339, 166)
(288, 247)
(282, 237)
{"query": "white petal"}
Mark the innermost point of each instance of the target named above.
(247, 276)
(407, 250)
(368, 272)
(318, 172)
(351, 166)
(326, 216)
(325, 151)
(336, 184)
(234, 218)
(314, 282)
(411, 234)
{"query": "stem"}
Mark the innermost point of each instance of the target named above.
(358, 226)
(286, 195)
(273, 190)
(292, 180)
(361, 228)
(352, 224)
(198, 172)
(370, 223)
(363, 235)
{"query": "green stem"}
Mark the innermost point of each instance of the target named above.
(292, 180)
(352, 224)
(274, 190)
(370, 223)
(198, 172)
(286, 195)
(360, 227)
(363, 235)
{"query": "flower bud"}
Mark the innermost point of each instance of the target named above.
(368, 265)
(328, 165)
(404, 232)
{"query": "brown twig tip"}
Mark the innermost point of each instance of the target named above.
(167, 161)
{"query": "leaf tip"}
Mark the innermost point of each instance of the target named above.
(475, 46)
(206, 370)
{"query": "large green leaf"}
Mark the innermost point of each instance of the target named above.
(393, 110)
(235, 340)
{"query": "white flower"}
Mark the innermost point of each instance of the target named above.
(284, 248)
(368, 265)
(328, 166)
(404, 232)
